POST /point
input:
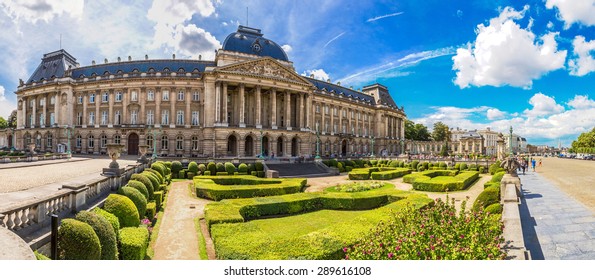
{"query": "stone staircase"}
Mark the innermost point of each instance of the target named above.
(309, 169)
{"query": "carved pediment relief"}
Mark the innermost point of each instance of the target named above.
(265, 67)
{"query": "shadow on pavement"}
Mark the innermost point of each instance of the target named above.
(528, 225)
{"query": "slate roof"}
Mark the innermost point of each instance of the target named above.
(349, 93)
(53, 65)
(147, 66)
(251, 41)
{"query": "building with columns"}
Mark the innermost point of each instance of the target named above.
(248, 95)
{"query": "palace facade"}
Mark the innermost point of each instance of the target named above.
(248, 95)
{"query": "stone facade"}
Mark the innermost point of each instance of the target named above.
(198, 108)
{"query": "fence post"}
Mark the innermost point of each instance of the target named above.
(54, 245)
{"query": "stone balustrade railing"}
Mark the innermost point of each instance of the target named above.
(510, 189)
(29, 218)
(37, 157)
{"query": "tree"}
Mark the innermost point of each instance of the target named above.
(3, 123)
(422, 132)
(585, 140)
(417, 132)
(12, 119)
(441, 132)
(410, 132)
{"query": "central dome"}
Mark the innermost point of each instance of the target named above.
(249, 40)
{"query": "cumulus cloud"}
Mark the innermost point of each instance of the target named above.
(172, 12)
(45, 10)
(581, 102)
(583, 62)
(287, 48)
(191, 40)
(506, 54)
(6, 106)
(494, 113)
(575, 11)
(319, 74)
(543, 105)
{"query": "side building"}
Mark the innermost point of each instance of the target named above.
(247, 101)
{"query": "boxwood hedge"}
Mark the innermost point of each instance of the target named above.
(123, 208)
(78, 241)
(137, 198)
(133, 243)
(105, 232)
(244, 186)
(113, 220)
(143, 178)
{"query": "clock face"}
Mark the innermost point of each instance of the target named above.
(256, 47)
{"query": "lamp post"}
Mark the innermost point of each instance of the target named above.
(317, 144)
(510, 141)
(153, 131)
(261, 156)
(372, 145)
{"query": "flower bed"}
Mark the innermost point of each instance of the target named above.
(358, 187)
(244, 186)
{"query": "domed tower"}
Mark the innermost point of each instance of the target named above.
(248, 43)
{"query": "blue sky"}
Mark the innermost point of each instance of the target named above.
(469, 64)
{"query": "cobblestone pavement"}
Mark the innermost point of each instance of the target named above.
(24, 178)
(555, 225)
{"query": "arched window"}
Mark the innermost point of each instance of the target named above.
(164, 142)
(179, 142)
(103, 141)
(195, 143)
(79, 141)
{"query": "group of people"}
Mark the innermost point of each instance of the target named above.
(524, 163)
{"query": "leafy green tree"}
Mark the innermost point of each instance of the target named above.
(584, 141)
(410, 132)
(417, 132)
(422, 132)
(3, 123)
(12, 119)
(441, 132)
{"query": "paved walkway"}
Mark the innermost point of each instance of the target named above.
(555, 226)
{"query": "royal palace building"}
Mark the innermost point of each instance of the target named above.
(248, 101)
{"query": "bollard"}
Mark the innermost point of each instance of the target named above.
(54, 241)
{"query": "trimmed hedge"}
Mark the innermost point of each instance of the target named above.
(244, 186)
(143, 178)
(105, 232)
(495, 181)
(133, 243)
(158, 199)
(243, 168)
(137, 198)
(176, 166)
(220, 167)
(390, 174)
(230, 168)
(151, 210)
(159, 167)
(495, 208)
(140, 187)
(123, 208)
(212, 168)
(155, 181)
(489, 196)
(202, 168)
(111, 218)
(441, 180)
(157, 175)
(193, 167)
(259, 166)
(78, 241)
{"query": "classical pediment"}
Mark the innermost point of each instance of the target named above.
(266, 68)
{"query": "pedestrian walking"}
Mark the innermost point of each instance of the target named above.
(539, 165)
(533, 164)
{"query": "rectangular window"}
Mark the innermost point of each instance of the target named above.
(326, 108)
(118, 96)
(42, 102)
(180, 118)
(91, 141)
(150, 117)
(79, 100)
(133, 117)
(103, 141)
(195, 96)
(105, 97)
(150, 95)
(92, 98)
(41, 119)
(181, 95)
(118, 118)
(52, 100)
(79, 118)
(195, 118)
(165, 95)
(133, 96)
(317, 108)
(334, 111)
(91, 118)
(52, 119)
(103, 117)
(79, 141)
(165, 117)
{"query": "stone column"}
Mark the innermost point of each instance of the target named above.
(110, 98)
(142, 99)
(224, 105)
(34, 112)
(301, 124)
(57, 110)
(217, 103)
(242, 106)
(288, 110)
(340, 126)
(45, 111)
(173, 115)
(308, 110)
(332, 128)
(273, 109)
(258, 108)
(85, 110)
(188, 113)
(322, 120)
(97, 104)
(157, 116)
(125, 97)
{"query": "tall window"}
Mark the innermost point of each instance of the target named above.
(79, 141)
(133, 116)
(79, 118)
(165, 95)
(52, 100)
(195, 118)
(31, 120)
(105, 97)
(118, 96)
(49, 141)
(195, 96)
(334, 128)
(91, 141)
(150, 117)
(334, 111)
(180, 118)
(179, 142)
(117, 139)
(133, 96)
(103, 117)
(195, 143)
(79, 100)
(326, 108)
(150, 95)
(181, 95)
(42, 102)
(52, 119)
(317, 108)
(118, 118)
(41, 119)
(344, 113)
(92, 98)
(150, 141)
(91, 118)
(103, 141)
(164, 142)
(165, 117)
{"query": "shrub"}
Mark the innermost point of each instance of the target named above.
(434, 232)
(359, 174)
(211, 166)
(113, 220)
(207, 173)
(482, 169)
(143, 178)
(190, 175)
(230, 168)
(41, 257)
(243, 168)
(159, 167)
(158, 175)
(442, 165)
(259, 166)
(137, 198)
(193, 167)
(373, 162)
(260, 174)
(202, 168)
(426, 165)
(220, 167)
(348, 168)
(134, 242)
(151, 209)
(158, 199)
(222, 173)
(176, 167)
(494, 167)
(226, 187)
(473, 166)
(340, 167)
(457, 166)
(78, 241)
(181, 174)
(420, 168)
(463, 166)
(123, 208)
(105, 232)
(489, 196)
(140, 187)
(333, 163)
(390, 174)
(156, 185)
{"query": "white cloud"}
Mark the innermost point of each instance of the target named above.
(550, 25)
(581, 102)
(319, 74)
(6, 106)
(574, 11)
(584, 62)
(494, 113)
(191, 40)
(173, 12)
(459, 13)
(287, 48)
(506, 54)
(543, 105)
(384, 16)
(45, 10)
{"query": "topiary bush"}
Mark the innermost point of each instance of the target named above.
(230, 168)
(113, 220)
(154, 182)
(151, 210)
(158, 175)
(137, 198)
(158, 199)
(143, 178)
(340, 167)
(133, 243)
(159, 167)
(140, 187)
(202, 168)
(463, 166)
(78, 241)
(193, 167)
(259, 166)
(212, 167)
(494, 167)
(243, 168)
(489, 196)
(220, 167)
(105, 232)
(123, 208)
(495, 208)
(176, 166)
